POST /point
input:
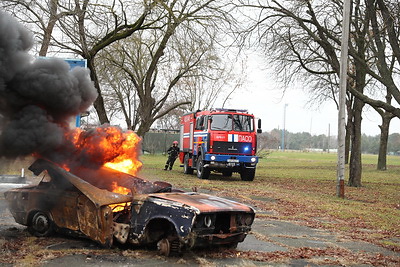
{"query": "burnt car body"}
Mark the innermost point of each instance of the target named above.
(152, 214)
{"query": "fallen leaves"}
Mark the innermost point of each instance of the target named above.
(330, 255)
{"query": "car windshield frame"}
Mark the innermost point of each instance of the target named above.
(232, 122)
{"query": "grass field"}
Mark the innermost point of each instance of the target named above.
(302, 187)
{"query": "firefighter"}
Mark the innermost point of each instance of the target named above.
(173, 153)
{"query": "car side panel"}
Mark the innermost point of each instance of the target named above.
(19, 205)
(25, 202)
(95, 222)
(65, 212)
(181, 217)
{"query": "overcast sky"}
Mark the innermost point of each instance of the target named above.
(262, 97)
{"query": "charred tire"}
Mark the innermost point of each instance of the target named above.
(186, 168)
(202, 172)
(227, 173)
(247, 174)
(41, 225)
(231, 245)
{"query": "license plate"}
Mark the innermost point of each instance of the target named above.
(232, 160)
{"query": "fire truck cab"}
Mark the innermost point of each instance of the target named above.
(219, 140)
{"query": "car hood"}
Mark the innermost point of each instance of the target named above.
(99, 197)
(203, 202)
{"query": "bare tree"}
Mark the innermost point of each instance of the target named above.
(203, 91)
(303, 38)
(384, 136)
(43, 17)
(89, 27)
(121, 100)
(161, 61)
(384, 32)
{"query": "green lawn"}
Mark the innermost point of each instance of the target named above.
(302, 187)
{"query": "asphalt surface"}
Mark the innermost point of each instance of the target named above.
(267, 236)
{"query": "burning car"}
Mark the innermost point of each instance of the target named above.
(84, 201)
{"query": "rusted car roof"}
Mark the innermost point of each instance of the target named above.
(99, 197)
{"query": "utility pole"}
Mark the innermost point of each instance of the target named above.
(342, 99)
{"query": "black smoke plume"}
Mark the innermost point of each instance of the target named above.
(38, 97)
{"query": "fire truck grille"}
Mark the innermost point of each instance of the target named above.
(232, 148)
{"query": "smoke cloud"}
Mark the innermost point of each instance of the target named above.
(38, 97)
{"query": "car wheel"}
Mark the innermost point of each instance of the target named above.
(247, 174)
(186, 168)
(231, 245)
(41, 225)
(202, 173)
(227, 173)
(168, 247)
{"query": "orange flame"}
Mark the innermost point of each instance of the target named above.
(65, 167)
(120, 190)
(126, 161)
(108, 146)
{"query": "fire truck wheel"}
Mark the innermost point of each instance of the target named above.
(186, 168)
(41, 225)
(202, 173)
(247, 174)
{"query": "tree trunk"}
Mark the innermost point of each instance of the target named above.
(349, 130)
(49, 29)
(144, 127)
(347, 139)
(146, 117)
(359, 73)
(101, 111)
(386, 118)
(355, 157)
(99, 102)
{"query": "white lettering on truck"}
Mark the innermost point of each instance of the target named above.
(245, 138)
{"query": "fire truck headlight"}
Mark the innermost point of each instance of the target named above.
(213, 157)
(253, 159)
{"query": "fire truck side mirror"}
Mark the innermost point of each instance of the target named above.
(259, 126)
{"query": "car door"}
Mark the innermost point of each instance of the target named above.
(95, 222)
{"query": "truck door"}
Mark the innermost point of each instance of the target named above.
(181, 134)
(191, 132)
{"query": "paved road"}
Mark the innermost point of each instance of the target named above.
(269, 238)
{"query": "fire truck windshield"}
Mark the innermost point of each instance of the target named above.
(227, 122)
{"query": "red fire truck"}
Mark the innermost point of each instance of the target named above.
(220, 140)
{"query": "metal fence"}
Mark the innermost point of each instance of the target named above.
(158, 142)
